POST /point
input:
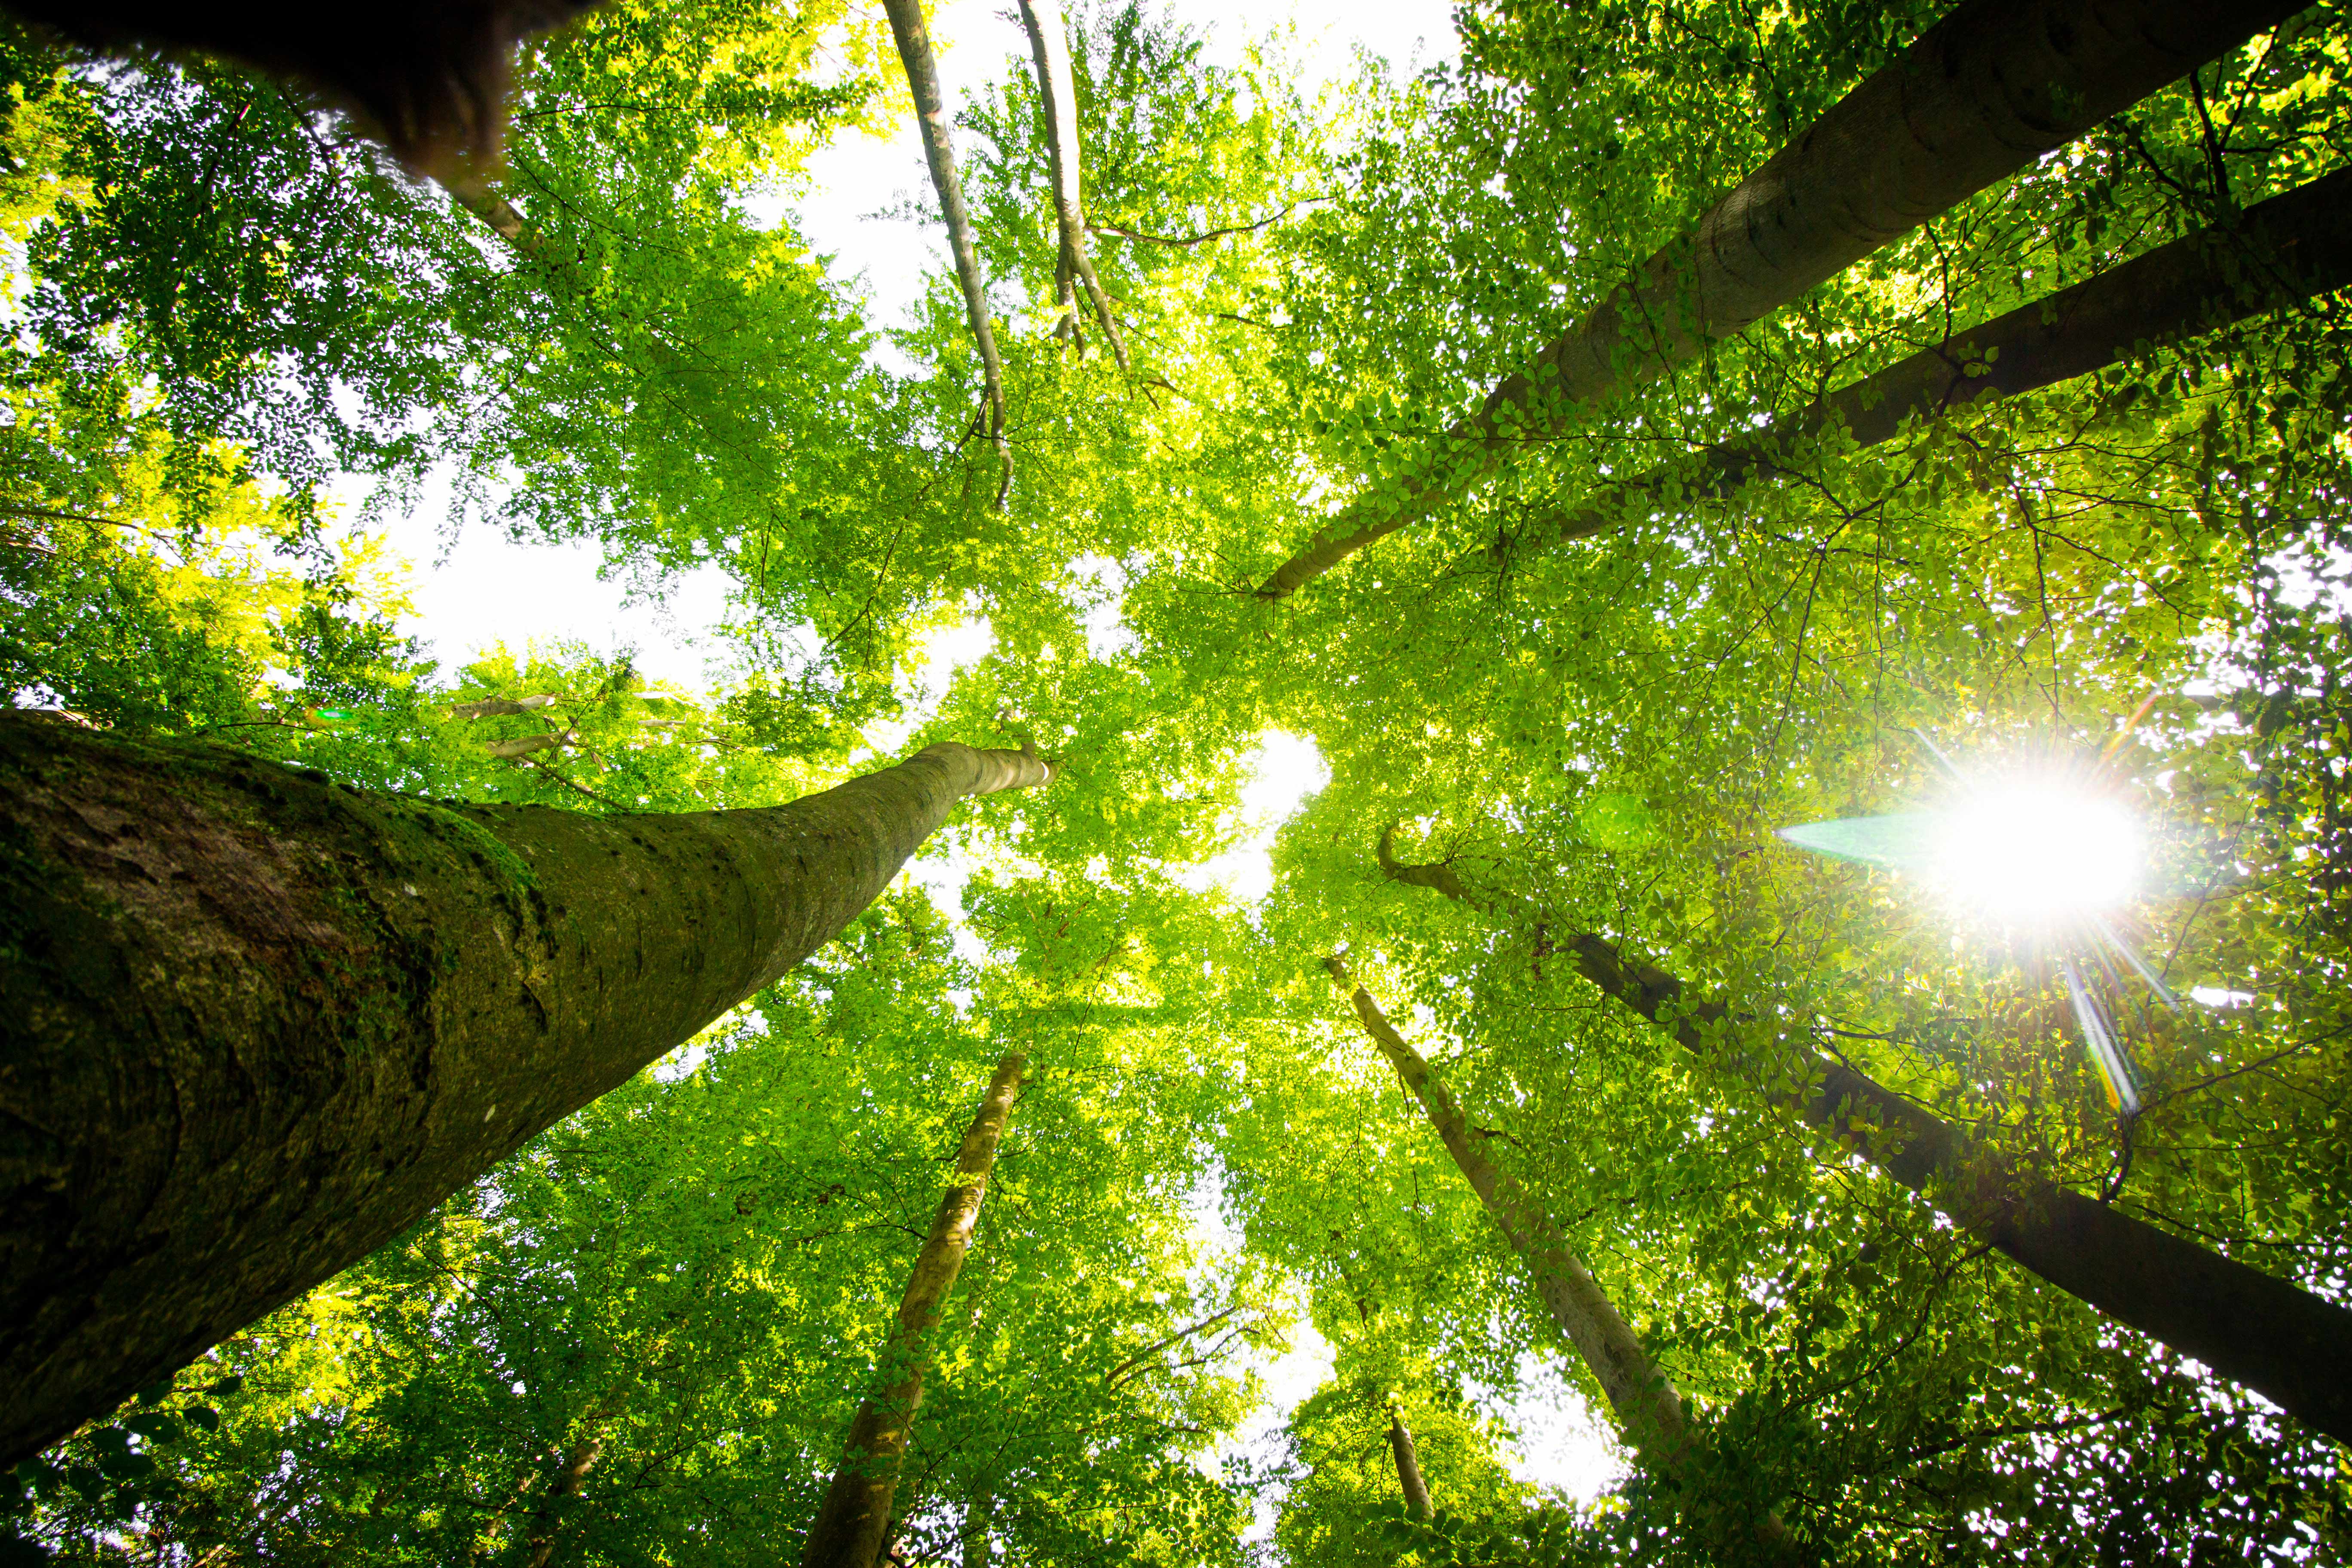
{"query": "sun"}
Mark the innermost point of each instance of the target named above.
(2038, 854)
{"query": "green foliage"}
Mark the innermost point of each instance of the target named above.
(2134, 578)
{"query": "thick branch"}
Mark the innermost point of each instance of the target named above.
(1993, 85)
(1058, 91)
(931, 120)
(1110, 1378)
(502, 706)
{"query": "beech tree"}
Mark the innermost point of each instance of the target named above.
(1968, 373)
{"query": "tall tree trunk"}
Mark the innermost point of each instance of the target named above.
(254, 1025)
(2291, 248)
(2274, 1337)
(568, 1480)
(1408, 1466)
(1058, 91)
(914, 42)
(1646, 1404)
(855, 1517)
(1990, 87)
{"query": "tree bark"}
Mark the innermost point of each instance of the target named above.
(1646, 1404)
(1408, 1465)
(914, 42)
(254, 1025)
(855, 1518)
(2291, 248)
(568, 1481)
(562, 273)
(2290, 1346)
(1057, 90)
(1987, 90)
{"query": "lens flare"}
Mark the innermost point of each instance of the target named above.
(2034, 854)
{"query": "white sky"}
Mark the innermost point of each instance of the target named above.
(490, 589)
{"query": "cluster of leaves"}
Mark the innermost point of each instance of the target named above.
(1594, 737)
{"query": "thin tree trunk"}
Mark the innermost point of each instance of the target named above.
(1058, 91)
(2255, 1329)
(931, 120)
(1408, 1465)
(851, 1523)
(254, 1025)
(2291, 248)
(1646, 1404)
(568, 1481)
(1990, 87)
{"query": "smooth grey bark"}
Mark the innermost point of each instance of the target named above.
(2291, 248)
(853, 1523)
(1987, 90)
(914, 42)
(254, 1025)
(2272, 1336)
(1646, 1404)
(1408, 1467)
(1057, 90)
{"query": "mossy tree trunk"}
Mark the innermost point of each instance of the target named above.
(254, 1025)
(853, 1523)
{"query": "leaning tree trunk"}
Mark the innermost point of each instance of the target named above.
(914, 42)
(854, 1519)
(253, 1025)
(2279, 1339)
(1646, 1404)
(1408, 1467)
(1648, 1407)
(2291, 248)
(1990, 87)
(1057, 90)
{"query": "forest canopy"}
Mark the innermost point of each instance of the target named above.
(1820, 927)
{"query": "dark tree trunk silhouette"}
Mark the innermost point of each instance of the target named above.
(853, 1523)
(1987, 90)
(254, 1025)
(2290, 1346)
(2292, 247)
(429, 82)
